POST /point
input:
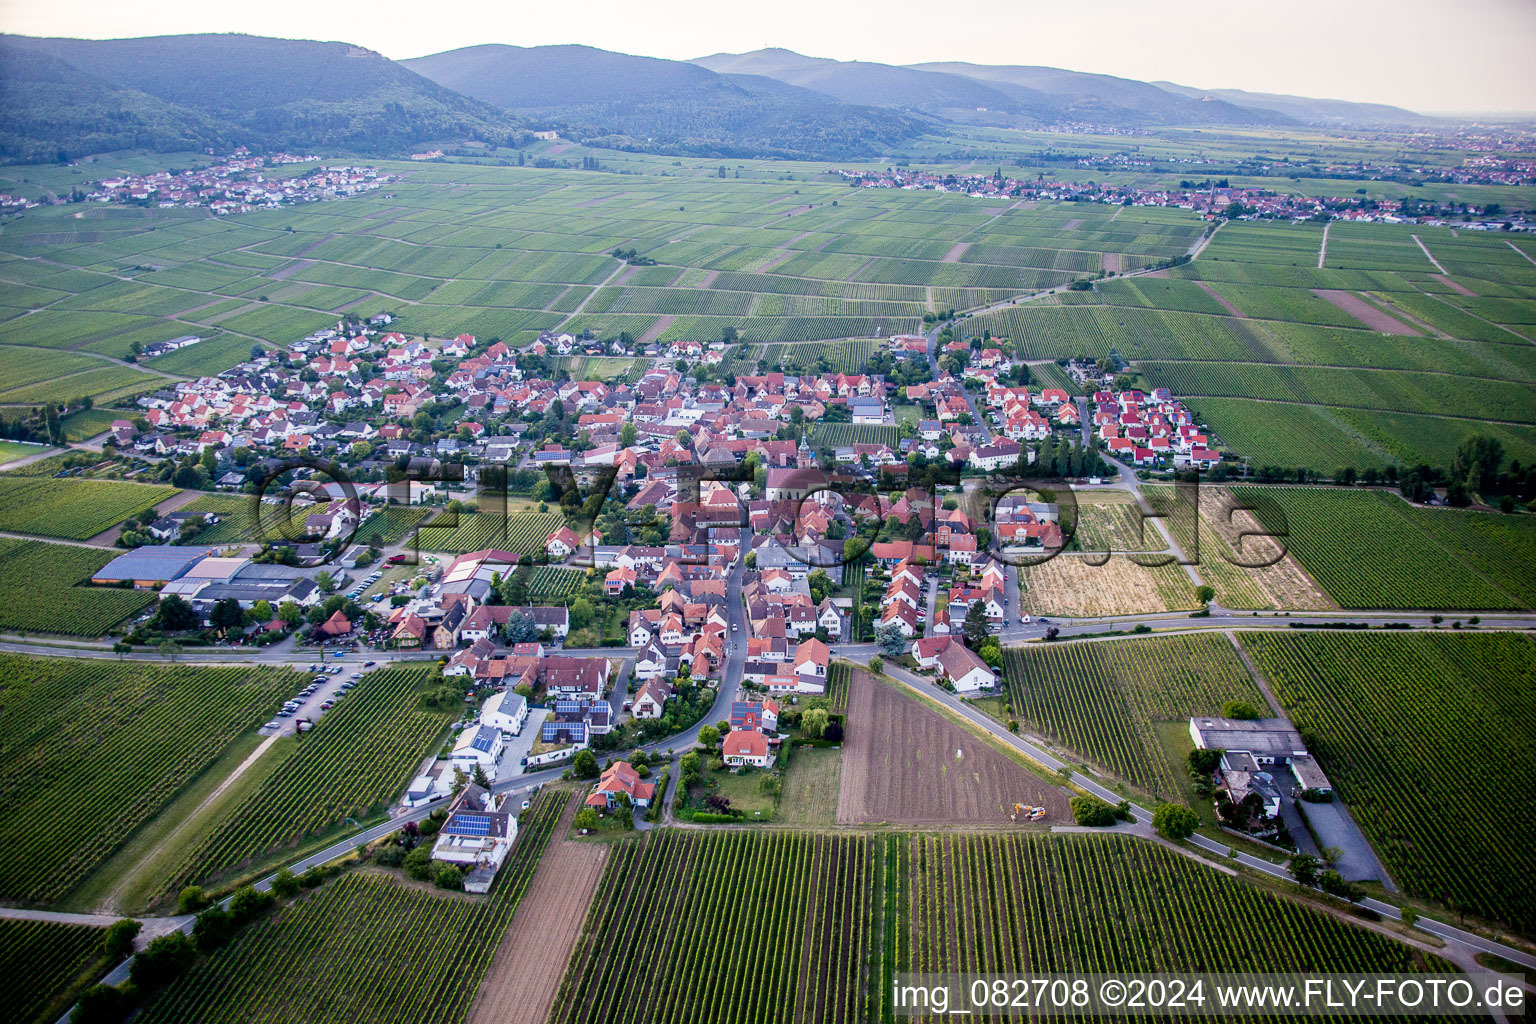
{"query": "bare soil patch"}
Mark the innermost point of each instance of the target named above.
(1366, 313)
(900, 765)
(624, 276)
(766, 267)
(524, 977)
(657, 329)
(1073, 224)
(1110, 262)
(1226, 303)
(1455, 286)
(708, 280)
(955, 252)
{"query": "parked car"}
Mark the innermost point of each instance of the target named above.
(274, 724)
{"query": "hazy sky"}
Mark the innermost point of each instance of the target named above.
(1427, 55)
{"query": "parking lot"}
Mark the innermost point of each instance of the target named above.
(329, 684)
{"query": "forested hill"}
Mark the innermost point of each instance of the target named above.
(618, 100)
(75, 96)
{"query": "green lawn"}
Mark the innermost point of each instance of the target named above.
(809, 793)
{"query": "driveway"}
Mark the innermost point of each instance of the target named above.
(517, 747)
(1334, 827)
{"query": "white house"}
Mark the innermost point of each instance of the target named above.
(478, 745)
(747, 747)
(476, 836)
(964, 669)
(505, 712)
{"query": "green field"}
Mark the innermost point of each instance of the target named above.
(1371, 549)
(367, 949)
(44, 588)
(57, 961)
(73, 509)
(1099, 700)
(523, 533)
(93, 749)
(10, 451)
(358, 757)
(839, 915)
(1429, 741)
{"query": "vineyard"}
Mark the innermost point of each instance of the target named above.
(1371, 549)
(90, 750)
(841, 435)
(74, 509)
(523, 533)
(391, 524)
(838, 674)
(1100, 699)
(245, 520)
(551, 581)
(1102, 904)
(53, 959)
(357, 758)
(664, 938)
(41, 591)
(1429, 739)
(365, 949)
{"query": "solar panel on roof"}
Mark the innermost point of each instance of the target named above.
(471, 824)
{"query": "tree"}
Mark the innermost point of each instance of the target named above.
(479, 776)
(1092, 812)
(584, 765)
(117, 940)
(1240, 709)
(814, 722)
(1205, 593)
(709, 736)
(191, 900)
(227, 614)
(213, 928)
(1175, 821)
(581, 613)
(261, 611)
(325, 581)
(176, 614)
(1304, 868)
(877, 664)
(284, 884)
(892, 643)
(627, 435)
(418, 863)
(586, 818)
(976, 627)
(248, 903)
(448, 877)
(100, 1004)
(162, 960)
(290, 612)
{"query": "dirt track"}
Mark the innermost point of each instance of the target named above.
(524, 978)
(899, 766)
(1366, 313)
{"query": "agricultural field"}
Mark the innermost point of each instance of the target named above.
(337, 953)
(1371, 549)
(507, 252)
(811, 785)
(838, 675)
(553, 582)
(72, 509)
(455, 533)
(1372, 360)
(109, 745)
(1428, 739)
(651, 948)
(391, 524)
(357, 759)
(1100, 700)
(45, 588)
(56, 961)
(246, 519)
(1086, 585)
(839, 435)
(1110, 521)
(1247, 568)
(1104, 904)
(906, 764)
(10, 451)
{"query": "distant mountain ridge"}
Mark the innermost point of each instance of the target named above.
(624, 101)
(62, 98)
(70, 96)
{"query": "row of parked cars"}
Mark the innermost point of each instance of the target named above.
(369, 581)
(292, 707)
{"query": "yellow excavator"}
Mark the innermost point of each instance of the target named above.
(1028, 812)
